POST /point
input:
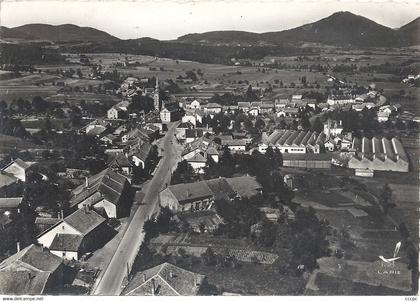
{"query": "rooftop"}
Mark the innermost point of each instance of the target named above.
(84, 221)
(6, 203)
(109, 183)
(66, 242)
(168, 280)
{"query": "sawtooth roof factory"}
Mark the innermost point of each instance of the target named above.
(379, 154)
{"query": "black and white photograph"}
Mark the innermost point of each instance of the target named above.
(209, 148)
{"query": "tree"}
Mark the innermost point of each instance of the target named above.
(163, 221)
(386, 197)
(310, 240)
(208, 257)
(183, 173)
(39, 104)
(227, 166)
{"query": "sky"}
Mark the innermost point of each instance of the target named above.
(165, 20)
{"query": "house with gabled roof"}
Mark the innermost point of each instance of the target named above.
(14, 171)
(165, 279)
(120, 163)
(31, 271)
(75, 234)
(119, 110)
(108, 190)
(201, 195)
(141, 154)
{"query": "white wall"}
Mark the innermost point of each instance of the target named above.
(62, 228)
(69, 255)
(17, 171)
(110, 208)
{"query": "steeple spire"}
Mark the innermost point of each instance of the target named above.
(156, 96)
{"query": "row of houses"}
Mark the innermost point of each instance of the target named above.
(256, 108)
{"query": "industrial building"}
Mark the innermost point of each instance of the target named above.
(294, 142)
(379, 154)
(317, 161)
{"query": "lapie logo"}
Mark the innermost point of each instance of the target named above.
(389, 263)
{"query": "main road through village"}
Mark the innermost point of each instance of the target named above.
(113, 276)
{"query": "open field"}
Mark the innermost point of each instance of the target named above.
(8, 143)
(8, 93)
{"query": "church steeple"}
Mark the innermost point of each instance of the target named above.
(156, 96)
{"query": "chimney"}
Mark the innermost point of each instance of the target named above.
(17, 247)
(62, 213)
(171, 274)
(86, 182)
(153, 287)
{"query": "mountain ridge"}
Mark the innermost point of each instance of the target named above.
(338, 29)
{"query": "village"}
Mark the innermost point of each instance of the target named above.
(139, 175)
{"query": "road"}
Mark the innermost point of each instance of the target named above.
(113, 277)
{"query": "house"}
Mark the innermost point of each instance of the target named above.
(266, 107)
(212, 108)
(281, 103)
(44, 223)
(96, 127)
(134, 134)
(358, 107)
(213, 153)
(140, 156)
(288, 112)
(229, 108)
(333, 128)
(169, 114)
(120, 163)
(196, 196)
(236, 145)
(193, 118)
(107, 189)
(244, 106)
(198, 162)
(330, 145)
(16, 169)
(312, 103)
(109, 139)
(195, 105)
(297, 97)
(31, 271)
(74, 235)
(11, 204)
(253, 111)
(165, 279)
(180, 131)
(383, 116)
(119, 110)
(341, 99)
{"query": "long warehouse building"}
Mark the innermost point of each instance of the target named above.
(379, 154)
(293, 142)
